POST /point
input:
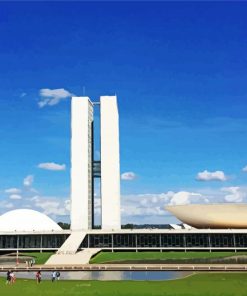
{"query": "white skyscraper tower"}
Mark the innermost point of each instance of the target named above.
(81, 163)
(110, 164)
(84, 169)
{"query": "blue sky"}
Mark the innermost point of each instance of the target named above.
(179, 71)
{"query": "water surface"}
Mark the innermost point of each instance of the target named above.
(108, 275)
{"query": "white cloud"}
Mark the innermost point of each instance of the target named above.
(130, 211)
(12, 190)
(211, 176)
(28, 181)
(97, 206)
(34, 198)
(30, 198)
(52, 166)
(235, 194)
(67, 205)
(52, 205)
(51, 97)
(184, 197)
(15, 196)
(150, 208)
(33, 190)
(128, 176)
(6, 205)
(141, 205)
(244, 169)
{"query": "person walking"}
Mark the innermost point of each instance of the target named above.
(38, 277)
(8, 278)
(58, 275)
(12, 277)
(53, 276)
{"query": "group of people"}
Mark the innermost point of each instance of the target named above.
(10, 277)
(29, 263)
(54, 276)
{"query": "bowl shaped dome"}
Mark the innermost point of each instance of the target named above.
(211, 215)
(27, 220)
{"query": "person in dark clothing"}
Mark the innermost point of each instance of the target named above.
(58, 275)
(8, 278)
(53, 276)
(38, 277)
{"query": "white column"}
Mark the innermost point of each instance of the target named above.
(81, 162)
(110, 166)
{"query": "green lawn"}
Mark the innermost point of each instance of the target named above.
(103, 257)
(40, 258)
(202, 284)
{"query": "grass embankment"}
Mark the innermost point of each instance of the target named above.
(118, 257)
(40, 258)
(203, 284)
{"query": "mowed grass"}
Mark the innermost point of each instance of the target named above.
(203, 284)
(117, 257)
(40, 258)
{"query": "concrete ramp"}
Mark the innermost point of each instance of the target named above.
(82, 257)
(72, 243)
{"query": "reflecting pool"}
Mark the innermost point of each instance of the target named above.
(108, 275)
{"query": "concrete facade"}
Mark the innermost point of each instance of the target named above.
(110, 164)
(83, 166)
(81, 163)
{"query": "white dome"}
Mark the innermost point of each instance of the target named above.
(26, 220)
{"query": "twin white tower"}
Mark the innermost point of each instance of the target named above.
(84, 168)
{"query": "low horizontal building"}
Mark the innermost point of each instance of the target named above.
(138, 239)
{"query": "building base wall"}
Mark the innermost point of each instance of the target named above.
(166, 240)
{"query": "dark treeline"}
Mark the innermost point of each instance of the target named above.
(125, 226)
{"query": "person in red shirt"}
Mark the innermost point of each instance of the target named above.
(38, 277)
